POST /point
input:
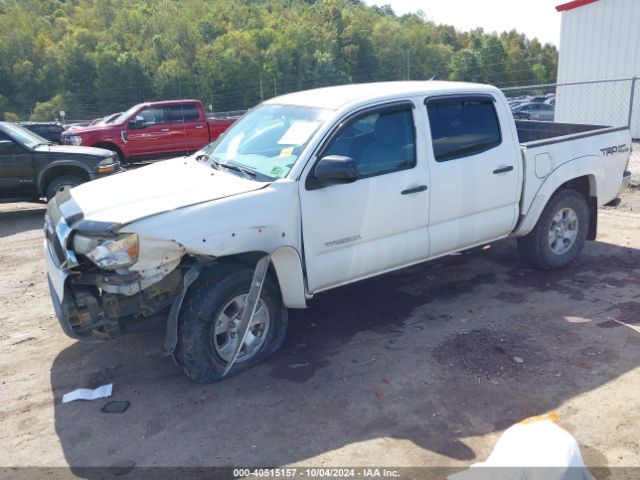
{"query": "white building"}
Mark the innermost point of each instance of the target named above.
(599, 40)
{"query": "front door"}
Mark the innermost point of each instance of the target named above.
(17, 172)
(154, 138)
(475, 173)
(379, 222)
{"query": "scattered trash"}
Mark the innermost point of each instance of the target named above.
(88, 394)
(558, 374)
(368, 362)
(379, 394)
(518, 360)
(299, 365)
(114, 366)
(116, 406)
(384, 380)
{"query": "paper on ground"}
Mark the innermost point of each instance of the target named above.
(88, 394)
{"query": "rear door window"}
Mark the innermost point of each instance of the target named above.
(186, 112)
(461, 127)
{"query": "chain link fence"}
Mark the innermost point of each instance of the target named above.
(613, 102)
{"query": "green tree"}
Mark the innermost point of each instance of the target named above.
(465, 66)
(50, 110)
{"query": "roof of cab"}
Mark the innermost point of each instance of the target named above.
(334, 98)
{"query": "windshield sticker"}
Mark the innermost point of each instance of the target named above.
(285, 152)
(298, 133)
(277, 171)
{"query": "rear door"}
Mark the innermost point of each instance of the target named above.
(379, 222)
(475, 172)
(17, 171)
(154, 138)
(188, 128)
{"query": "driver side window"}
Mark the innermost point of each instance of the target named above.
(153, 116)
(379, 142)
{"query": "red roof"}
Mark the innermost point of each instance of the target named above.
(574, 4)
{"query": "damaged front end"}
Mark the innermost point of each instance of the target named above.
(102, 279)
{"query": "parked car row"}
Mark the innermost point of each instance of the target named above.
(33, 166)
(152, 130)
(534, 111)
(540, 107)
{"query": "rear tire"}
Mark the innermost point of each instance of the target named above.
(61, 183)
(203, 335)
(560, 233)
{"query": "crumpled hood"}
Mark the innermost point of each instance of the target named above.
(163, 186)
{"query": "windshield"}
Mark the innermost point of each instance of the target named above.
(23, 136)
(268, 140)
(123, 116)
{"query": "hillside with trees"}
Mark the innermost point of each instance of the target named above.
(94, 57)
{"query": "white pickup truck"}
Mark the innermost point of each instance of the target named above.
(313, 190)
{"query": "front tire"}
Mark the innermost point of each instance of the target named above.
(560, 233)
(206, 333)
(61, 183)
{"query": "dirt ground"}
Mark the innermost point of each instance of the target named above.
(413, 368)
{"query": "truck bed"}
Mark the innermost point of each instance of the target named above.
(543, 133)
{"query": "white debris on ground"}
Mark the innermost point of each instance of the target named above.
(88, 394)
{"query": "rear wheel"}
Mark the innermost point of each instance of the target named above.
(63, 182)
(208, 326)
(560, 233)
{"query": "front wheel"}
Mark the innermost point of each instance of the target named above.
(208, 326)
(63, 182)
(560, 233)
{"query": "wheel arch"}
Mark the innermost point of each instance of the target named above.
(110, 146)
(584, 174)
(286, 265)
(58, 169)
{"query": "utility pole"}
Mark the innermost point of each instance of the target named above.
(408, 64)
(275, 90)
(261, 92)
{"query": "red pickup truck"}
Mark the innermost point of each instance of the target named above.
(153, 130)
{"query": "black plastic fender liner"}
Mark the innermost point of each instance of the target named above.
(171, 334)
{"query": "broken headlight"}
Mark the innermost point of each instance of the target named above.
(110, 253)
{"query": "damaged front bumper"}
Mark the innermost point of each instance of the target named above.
(86, 312)
(91, 303)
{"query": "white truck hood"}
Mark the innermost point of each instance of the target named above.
(161, 187)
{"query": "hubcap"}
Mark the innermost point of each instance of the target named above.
(563, 231)
(225, 330)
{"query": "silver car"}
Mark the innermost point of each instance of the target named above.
(534, 111)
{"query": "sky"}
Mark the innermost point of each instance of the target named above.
(535, 18)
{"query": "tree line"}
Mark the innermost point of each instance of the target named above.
(95, 57)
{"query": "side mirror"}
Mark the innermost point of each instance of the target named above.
(335, 170)
(137, 123)
(7, 147)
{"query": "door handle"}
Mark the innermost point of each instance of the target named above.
(164, 130)
(200, 126)
(409, 191)
(503, 170)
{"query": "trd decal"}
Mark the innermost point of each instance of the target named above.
(613, 150)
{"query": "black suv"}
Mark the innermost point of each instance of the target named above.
(32, 167)
(52, 131)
